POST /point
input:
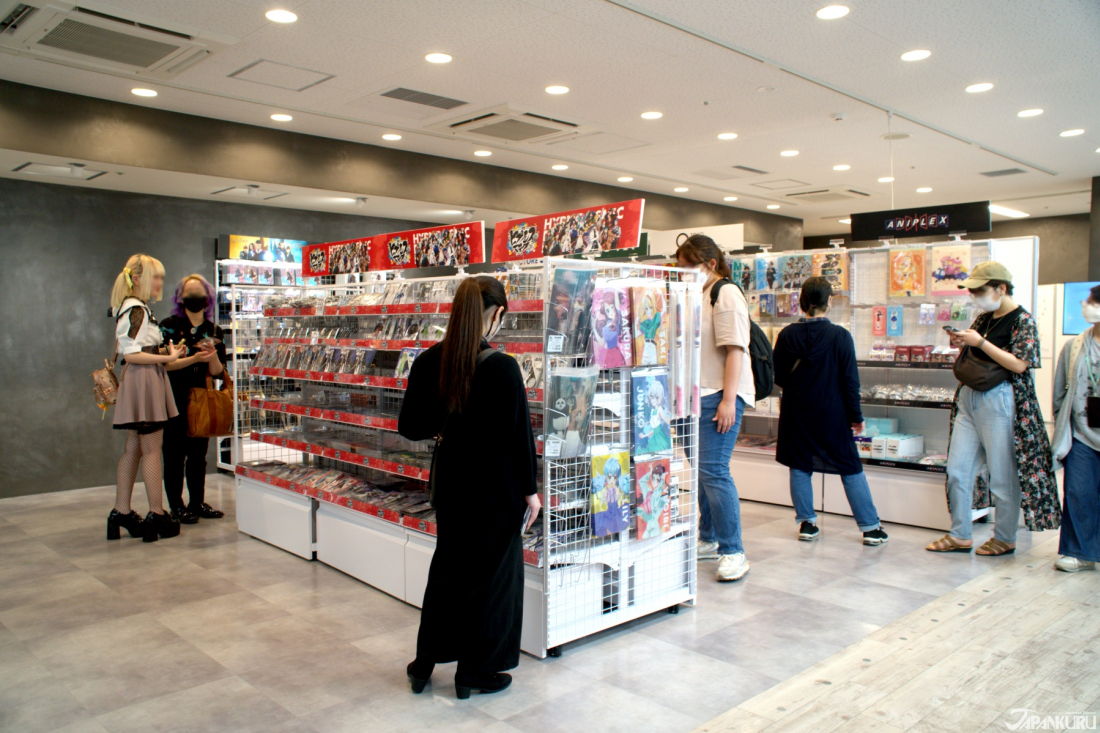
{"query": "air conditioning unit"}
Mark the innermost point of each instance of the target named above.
(509, 124)
(96, 37)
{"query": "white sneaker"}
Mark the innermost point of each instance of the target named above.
(732, 567)
(1072, 564)
(707, 551)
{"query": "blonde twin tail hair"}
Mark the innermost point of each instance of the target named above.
(139, 272)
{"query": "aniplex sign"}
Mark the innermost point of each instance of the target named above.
(903, 223)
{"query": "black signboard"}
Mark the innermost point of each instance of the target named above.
(921, 222)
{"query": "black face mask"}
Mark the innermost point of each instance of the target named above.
(195, 303)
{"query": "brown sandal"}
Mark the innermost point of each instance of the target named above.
(994, 547)
(947, 543)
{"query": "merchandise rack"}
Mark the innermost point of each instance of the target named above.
(574, 584)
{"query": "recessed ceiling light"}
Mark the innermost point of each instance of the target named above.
(281, 118)
(845, 221)
(438, 58)
(483, 153)
(983, 87)
(144, 92)
(895, 136)
(1098, 150)
(789, 153)
(773, 206)
(560, 167)
(1071, 133)
(451, 212)
(1005, 211)
(765, 89)
(391, 136)
(681, 189)
(344, 200)
(842, 167)
(281, 16)
(556, 89)
(925, 189)
(652, 115)
(918, 55)
(625, 179)
(1030, 113)
(734, 198)
(832, 12)
(727, 135)
(886, 179)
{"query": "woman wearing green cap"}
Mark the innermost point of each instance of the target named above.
(996, 421)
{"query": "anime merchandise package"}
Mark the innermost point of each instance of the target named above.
(754, 305)
(795, 306)
(894, 320)
(907, 272)
(878, 320)
(767, 273)
(652, 412)
(782, 305)
(950, 266)
(679, 351)
(767, 304)
(405, 362)
(652, 497)
(568, 411)
(530, 367)
(611, 510)
(568, 323)
(743, 273)
(650, 324)
(610, 319)
(695, 318)
(833, 266)
(927, 314)
(794, 270)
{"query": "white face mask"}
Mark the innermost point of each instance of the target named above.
(494, 327)
(986, 302)
(1090, 312)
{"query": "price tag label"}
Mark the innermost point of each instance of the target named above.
(385, 309)
(555, 343)
(422, 526)
(417, 308)
(553, 447)
(282, 407)
(400, 468)
(297, 311)
(400, 383)
(384, 345)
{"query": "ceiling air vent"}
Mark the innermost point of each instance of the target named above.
(101, 43)
(510, 124)
(755, 171)
(1005, 172)
(828, 195)
(430, 100)
(19, 14)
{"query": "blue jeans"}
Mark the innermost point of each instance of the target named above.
(1081, 504)
(856, 489)
(984, 433)
(719, 507)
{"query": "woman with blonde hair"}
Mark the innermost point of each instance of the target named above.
(144, 402)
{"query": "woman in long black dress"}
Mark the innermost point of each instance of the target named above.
(485, 480)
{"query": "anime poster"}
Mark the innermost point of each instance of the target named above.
(652, 412)
(767, 274)
(894, 320)
(454, 245)
(611, 508)
(878, 320)
(796, 306)
(907, 272)
(569, 411)
(653, 497)
(581, 231)
(767, 304)
(782, 305)
(405, 362)
(743, 273)
(754, 305)
(568, 323)
(833, 266)
(794, 270)
(650, 325)
(927, 314)
(950, 266)
(611, 346)
(348, 257)
(264, 249)
(445, 247)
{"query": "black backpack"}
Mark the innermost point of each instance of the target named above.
(760, 348)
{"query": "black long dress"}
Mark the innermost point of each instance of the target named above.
(473, 605)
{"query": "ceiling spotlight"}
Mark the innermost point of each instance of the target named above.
(845, 221)
(765, 89)
(281, 118)
(76, 170)
(1030, 113)
(253, 189)
(556, 89)
(1071, 133)
(895, 136)
(789, 153)
(281, 16)
(652, 115)
(360, 202)
(983, 87)
(886, 179)
(391, 136)
(438, 58)
(681, 189)
(919, 55)
(560, 167)
(144, 92)
(1005, 211)
(468, 214)
(625, 179)
(924, 189)
(842, 167)
(727, 136)
(483, 153)
(730, 198)
(773, 206)
(832, 12)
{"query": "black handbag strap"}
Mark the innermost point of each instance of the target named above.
(481, 356)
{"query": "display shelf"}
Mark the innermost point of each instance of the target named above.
(903, 465)
(748, 450)
(394, 467)
(514, 306)
(533, 395)
(909, 403)
(350, 418)
(867, 363)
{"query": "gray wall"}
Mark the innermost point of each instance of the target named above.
(1063, 244)
(60, 250)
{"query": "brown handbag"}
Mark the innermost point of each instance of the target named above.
(105, 387)
(209, 410)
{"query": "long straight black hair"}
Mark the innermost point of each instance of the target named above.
(462, 342)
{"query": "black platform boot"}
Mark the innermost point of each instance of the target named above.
(132, 522)
(483, 683)
(420, 674)
(160, 525)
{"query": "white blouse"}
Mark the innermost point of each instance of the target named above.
(136, 329)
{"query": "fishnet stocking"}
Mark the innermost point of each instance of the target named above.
(146, 450)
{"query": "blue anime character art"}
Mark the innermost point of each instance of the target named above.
(652, 416)
(611, 508)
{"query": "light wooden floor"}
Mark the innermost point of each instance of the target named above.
(1021, 637)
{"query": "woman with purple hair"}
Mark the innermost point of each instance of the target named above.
(191, 324)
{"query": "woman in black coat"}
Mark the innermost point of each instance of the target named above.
(815, 364)
(485, 481)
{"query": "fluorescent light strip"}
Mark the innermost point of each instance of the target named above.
(1005, 211)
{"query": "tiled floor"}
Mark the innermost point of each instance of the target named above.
(214, 631)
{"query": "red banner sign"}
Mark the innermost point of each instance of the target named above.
(583, 231)
(453, 245)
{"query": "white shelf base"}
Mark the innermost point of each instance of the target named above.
(275, 516)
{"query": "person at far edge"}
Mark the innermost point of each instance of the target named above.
(473, 398)
(726, 386)
(999, 425)
(191, 322)
(815, 364)
(1077, 442)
